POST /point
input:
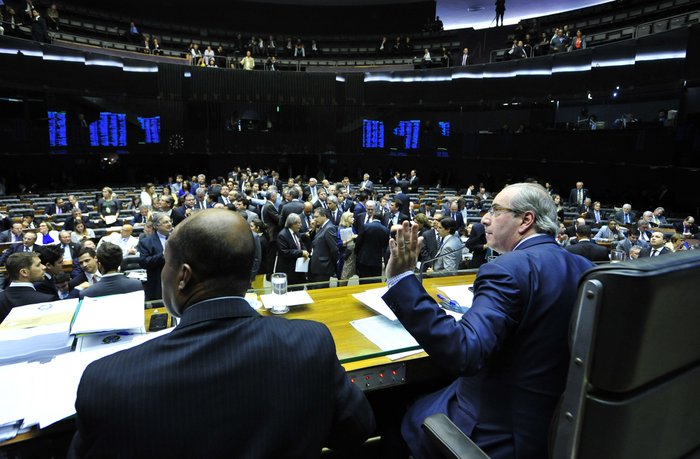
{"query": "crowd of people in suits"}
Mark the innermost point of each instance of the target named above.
(341, 229)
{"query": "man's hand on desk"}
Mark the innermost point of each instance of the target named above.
(404, 250)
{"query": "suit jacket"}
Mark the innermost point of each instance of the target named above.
(15, 249)
(151, 259)
(112, 285)
(590, 250)
(335, 220)
(573, 196)
(371, 244)
(74, 249)
(591, 215)
(510, 349)
(459, 219)
(271, 218)
(620, 218)
(681, 230)
(21, 296)
(325, 251)
(52, 209)
(646, 252)
(287, 254)
(163, 381)
(625, 245)
(178, 214)
(387, 217)
(413, 184)
(6, 236)
(452, 251)
(429, 248)
(475, 243)
(366, 186)
(288, 208)
(40, 32)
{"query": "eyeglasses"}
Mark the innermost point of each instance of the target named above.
(496, 210)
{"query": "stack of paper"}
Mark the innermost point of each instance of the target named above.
(373, 299)
(289, 299)
(110, 313)
(36, 331)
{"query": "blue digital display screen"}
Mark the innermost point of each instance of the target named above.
(109, 130)
(372, 134)
(444, 128)
(151, 128)
(409, 130)
(57, 129)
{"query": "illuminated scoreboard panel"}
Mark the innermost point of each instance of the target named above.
(151, 128)
(57, 129)
(372, 134)
(109, 130)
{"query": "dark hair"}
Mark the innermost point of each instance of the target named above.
(50, 254)
(584, 231)
(89, 250)
(18, 261)
(397, 202)
(449, 224)
(61, 277)
(109, 255)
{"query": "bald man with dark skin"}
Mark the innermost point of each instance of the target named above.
(201, 383)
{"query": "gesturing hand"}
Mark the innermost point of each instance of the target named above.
(404, 250)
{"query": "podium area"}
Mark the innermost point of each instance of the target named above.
(389, 382)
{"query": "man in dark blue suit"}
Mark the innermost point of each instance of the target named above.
(324, 256)
(23, 268)
(510, 349)
(151, 254)
(587, 248)
(201, 383)
(112, 282)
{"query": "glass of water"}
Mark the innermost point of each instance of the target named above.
(617, 256)
(279, 291)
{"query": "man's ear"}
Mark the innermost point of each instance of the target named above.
(185, 277)
(528, 222)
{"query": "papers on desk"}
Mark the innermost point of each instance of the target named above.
(460, 294)
(387, 335)
(45, 393)
(138, 274)
(302, 265)
(109, 313)
(290, 299)
(373, 299)
(36, 331)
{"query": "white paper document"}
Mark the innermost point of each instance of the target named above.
(387, 335)
(290, 299)
(106, 313)
(302, 265)
(459, 293)
(373, 299)
(346, 234)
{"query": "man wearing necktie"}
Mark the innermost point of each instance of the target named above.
(656, 246)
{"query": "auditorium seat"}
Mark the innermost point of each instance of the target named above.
(634, 372)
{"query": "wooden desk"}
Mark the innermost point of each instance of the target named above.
(336, 307)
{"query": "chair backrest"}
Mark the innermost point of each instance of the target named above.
(633, 387)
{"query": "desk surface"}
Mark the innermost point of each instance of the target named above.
(336, 307)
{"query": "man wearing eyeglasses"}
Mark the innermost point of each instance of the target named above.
(510, 349)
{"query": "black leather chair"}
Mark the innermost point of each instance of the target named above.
(633, 388)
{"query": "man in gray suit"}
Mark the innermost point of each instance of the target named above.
(450, 250)
(109, 257)
(324, 255)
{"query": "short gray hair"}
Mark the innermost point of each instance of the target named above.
(157, 218)
(292, 219)
(531, 197)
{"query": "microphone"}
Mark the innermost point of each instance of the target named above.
(424, 264)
